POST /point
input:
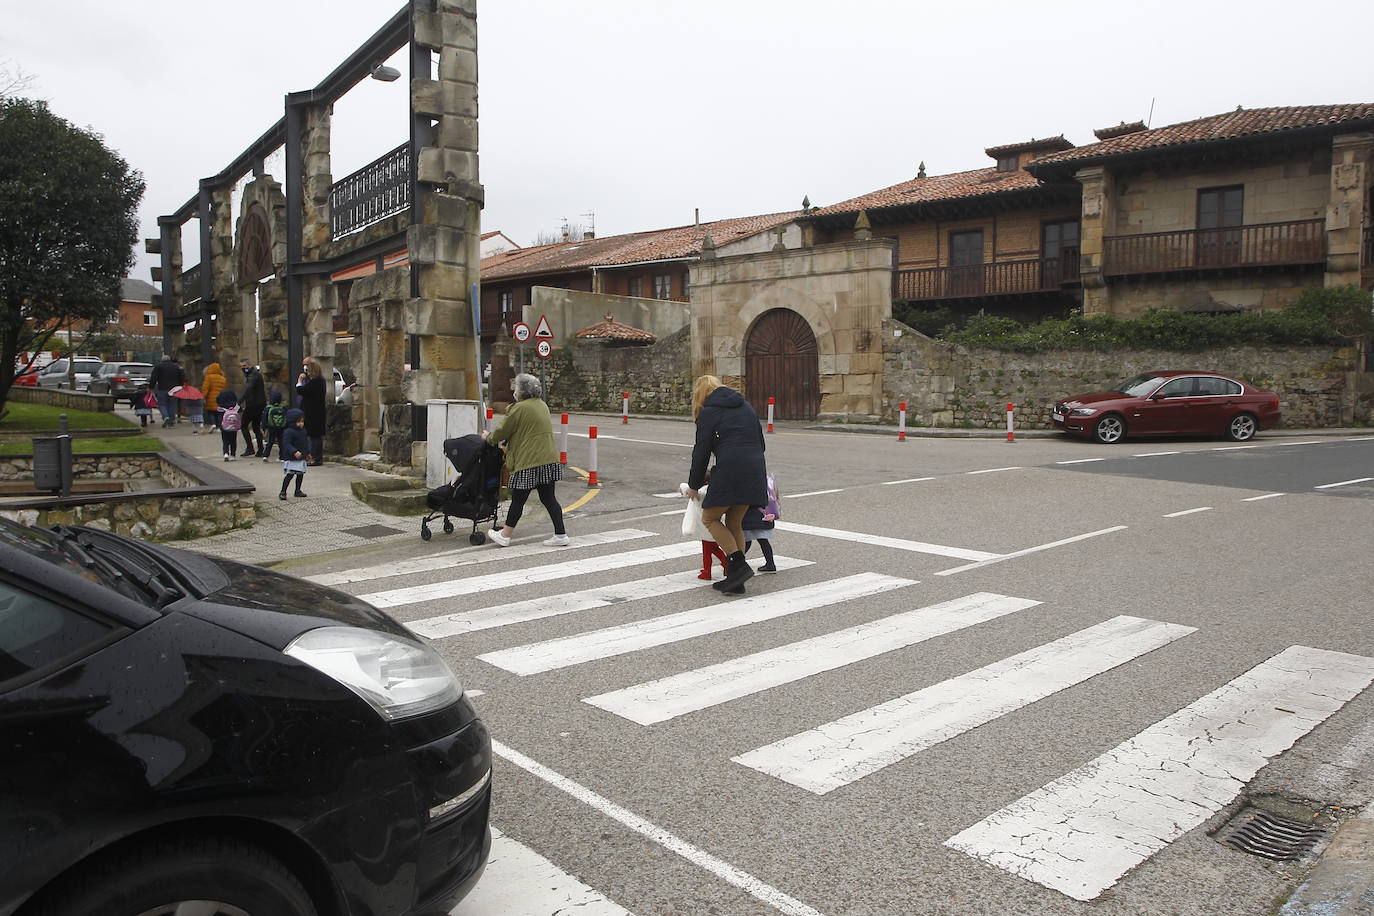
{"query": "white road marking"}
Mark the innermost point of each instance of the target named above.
(501, 615)
(1232, 448)
(1308, 442)
(993, 470)
(812, 493)
(1188, 511)
(699, 857)
(890, 483)
(520, 882)
(469, 557)
(1080, 461)
(837, 753)
(1082, 832)
(453, 587)
(604, 436)
(1154, 454)
(673, 495)
(723, 614)
(669, 697)
(877, 540)
(1362, 439)
(1343, 483)
(474, 694)
(998, 558)
(1255, 499)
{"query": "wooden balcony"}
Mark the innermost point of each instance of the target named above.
(999, 278)
(1263, 245)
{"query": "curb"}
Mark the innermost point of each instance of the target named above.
(1342, 883)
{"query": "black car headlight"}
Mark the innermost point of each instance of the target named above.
(398, 677)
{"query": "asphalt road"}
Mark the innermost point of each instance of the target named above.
(997, 677)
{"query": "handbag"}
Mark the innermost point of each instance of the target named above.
(149, 399)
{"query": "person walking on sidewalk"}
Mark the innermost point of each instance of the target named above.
(727, 428)
(139, 401)
(310, 386)
(254, 401)
(165, 376)
(295, 452)
(274, 421)
(212, 383)
(531, 459)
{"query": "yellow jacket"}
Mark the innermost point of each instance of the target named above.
(212, 385)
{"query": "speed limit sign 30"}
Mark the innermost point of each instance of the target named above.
(544, 349)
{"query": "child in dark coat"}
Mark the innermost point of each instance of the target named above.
(274, 422)
(230, 420)
(295, 451)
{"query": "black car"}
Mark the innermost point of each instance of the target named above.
(181, 734)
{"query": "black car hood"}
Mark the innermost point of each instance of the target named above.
(274, 609)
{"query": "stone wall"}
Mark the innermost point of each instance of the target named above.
(947, 385)
(590, 375)
(569, 311)
(67, 400)
(90, 467)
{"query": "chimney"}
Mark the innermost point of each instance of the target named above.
(588, 235)
(696, 217)
(566, 236)
(1120, 130)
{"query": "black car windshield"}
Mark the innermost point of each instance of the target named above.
(1140, 385)
(97, 558)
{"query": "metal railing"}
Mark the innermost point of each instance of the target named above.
(999, 278)
(1262, 245)
(377, 190)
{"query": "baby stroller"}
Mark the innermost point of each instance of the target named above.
(476, 492)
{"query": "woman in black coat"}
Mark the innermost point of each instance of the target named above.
(310, 387)
(728, 428)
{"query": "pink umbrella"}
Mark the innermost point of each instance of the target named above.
(187, 392)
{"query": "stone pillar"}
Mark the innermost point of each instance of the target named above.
(376, 316)
(1347, 216)
(1098, 221)
(318, 299)
(219, 260)
(444, 241)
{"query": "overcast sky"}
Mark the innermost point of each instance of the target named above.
(641, 111)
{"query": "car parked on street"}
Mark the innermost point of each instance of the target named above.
(54, 374)
(180, 734)
(120, 379)
(26, 378)
(1171, 403)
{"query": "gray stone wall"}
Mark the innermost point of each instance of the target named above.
(947, 385)
(591, 376)
(91, 467)
(570, 310)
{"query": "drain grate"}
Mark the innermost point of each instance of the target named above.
(1271, 837)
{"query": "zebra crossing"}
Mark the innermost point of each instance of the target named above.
(1077, 835)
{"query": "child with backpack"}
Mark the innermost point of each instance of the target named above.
(295, 451)
(758, 525)
(274, 422)
(143, 401)
(230, 422)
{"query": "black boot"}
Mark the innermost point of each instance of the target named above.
(737, 572)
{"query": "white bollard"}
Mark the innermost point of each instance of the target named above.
(563, 441)
(901, 422)
(1011, 424)
(591, 467)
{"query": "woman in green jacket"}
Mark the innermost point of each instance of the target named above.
(531, 459)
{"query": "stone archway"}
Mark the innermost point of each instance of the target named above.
(781, 361)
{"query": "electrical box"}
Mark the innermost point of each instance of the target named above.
(52, 464)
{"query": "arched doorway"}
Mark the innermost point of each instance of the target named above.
(780, 361)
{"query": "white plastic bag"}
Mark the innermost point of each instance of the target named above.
(692, 528)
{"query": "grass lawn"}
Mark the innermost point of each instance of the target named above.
(40, 416)
(114, 444)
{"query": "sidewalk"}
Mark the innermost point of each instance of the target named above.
(330, 518)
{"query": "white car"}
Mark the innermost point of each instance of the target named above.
(54, 374)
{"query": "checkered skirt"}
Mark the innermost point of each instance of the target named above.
(529, 478)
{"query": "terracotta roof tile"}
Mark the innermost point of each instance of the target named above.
(610, 329)
(977, 183)
(1046, 143)
(631, 248)
(1232, 125)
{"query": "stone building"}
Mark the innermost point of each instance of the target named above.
(272, 245)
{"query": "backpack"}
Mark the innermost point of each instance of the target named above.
(149, 400)
(276, 416)
(773, 510)
(232, 421)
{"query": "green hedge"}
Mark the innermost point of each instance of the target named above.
(1320, 317)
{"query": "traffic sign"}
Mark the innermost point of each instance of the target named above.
(542, 331)
(544, 349)
(520, 332)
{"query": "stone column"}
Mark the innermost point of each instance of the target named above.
(1097, 222)
(444, 241)
(1347, 216)
(219, 260)
(318, 299)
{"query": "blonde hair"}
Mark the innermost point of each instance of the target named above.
(312, 368)
(701, 390)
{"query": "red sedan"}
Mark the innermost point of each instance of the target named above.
(27, 379)
(1170, 404)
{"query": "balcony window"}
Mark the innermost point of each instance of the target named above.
(507, 300)
(663, 286)
(635, 287)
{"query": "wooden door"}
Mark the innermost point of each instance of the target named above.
(780, 361)
(1219, 212)
(965, 263)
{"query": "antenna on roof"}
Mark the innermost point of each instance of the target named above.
(1152, 113)
(590, 217)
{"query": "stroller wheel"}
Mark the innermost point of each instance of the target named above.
(477, 538)
(448, 527)
(425, 533)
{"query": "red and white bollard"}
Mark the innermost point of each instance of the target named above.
(901, 422)
(591, 467)
(490, 413)
(1011, 423)
(624, 407)
(770, 414)
(563, 440)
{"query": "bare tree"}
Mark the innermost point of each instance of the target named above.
(570, 232)
(13, 82)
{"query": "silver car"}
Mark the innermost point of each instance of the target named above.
(120, 379)
(54, 374)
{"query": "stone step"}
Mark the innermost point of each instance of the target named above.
(398, 502)
(365, 485)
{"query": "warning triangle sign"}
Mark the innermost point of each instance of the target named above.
(542, 331)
